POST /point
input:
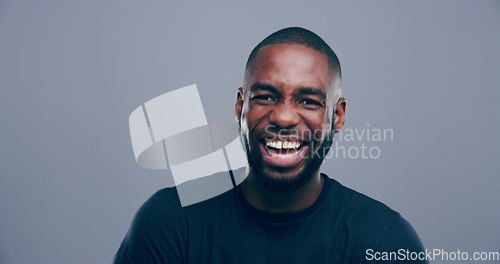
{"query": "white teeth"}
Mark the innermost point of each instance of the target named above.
(284, 156)
(281, 144)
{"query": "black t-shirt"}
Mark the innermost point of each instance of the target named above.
(342, 226)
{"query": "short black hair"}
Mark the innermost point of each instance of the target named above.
(299, 36)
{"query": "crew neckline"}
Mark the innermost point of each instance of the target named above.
(288, 216)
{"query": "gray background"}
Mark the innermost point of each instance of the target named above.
(71, 72)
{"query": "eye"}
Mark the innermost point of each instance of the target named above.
(310, 103)
(264, 98)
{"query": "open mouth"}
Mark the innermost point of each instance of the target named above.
(283, 152)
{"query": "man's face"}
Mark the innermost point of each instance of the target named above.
(285, 112)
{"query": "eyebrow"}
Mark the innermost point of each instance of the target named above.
(265, 87)
(312, 91)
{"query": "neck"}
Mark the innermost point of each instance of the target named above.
(260, 196)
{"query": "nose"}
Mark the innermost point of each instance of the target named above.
(284, 116)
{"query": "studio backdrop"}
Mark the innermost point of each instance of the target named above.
(421, 79)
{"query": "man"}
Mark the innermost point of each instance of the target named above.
(285, 211)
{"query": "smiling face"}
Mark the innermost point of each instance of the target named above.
(285, 111)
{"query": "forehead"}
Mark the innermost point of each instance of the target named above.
(289, 67)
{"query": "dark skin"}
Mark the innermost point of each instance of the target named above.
(287, 87)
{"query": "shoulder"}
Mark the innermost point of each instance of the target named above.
(163, 201)
(166, 196)
(157, 231)
(360, 208)
(161, 211)
(371, 224)
(160, 228)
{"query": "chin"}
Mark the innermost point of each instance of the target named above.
(284, 168)
(284, 180)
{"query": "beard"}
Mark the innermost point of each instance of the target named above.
(255, 161)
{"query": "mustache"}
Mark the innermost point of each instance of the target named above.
(305, 135)
(283, 131)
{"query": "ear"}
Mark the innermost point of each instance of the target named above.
(239, 104)
(339, 114)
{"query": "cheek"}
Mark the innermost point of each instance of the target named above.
(255, 115)
(250, 118)
(246, 117)
(318, 123)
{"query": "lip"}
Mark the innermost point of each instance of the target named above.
(287, 159)
(284, 138)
